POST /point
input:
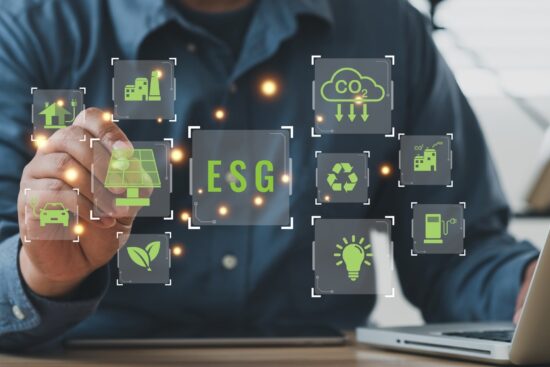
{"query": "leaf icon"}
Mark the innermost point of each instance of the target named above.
(139, 256)
(153, 250)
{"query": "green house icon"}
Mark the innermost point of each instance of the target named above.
(55, 114)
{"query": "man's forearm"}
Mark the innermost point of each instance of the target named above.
(27, 319)
(485, 284)
(36, 281)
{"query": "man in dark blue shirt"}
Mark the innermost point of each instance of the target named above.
(235, 277)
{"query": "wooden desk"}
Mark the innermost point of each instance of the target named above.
(344, 356)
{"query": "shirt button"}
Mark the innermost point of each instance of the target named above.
(19, 315)
(191, 47)
(229, 262)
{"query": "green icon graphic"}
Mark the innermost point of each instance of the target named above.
(426, 161)
(347, 85)
(143, 90)
(436, 228)
(51, 213)
(144, 258)
(353, 255)
(350, 177)
(54, 114)
(132, 169)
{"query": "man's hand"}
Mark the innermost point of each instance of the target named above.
(52, 268)
(528, 275)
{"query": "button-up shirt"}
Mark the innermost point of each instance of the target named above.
(238, 277)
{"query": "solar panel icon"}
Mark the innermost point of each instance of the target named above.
(132, 169)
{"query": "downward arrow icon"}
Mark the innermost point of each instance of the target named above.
(365, 115)
(339, 112)
(351, 112)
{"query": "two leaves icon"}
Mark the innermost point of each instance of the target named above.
(142, 257)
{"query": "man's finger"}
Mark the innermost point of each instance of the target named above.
(108, 133)
(96, 159)
(62, 167)
(517, 315)
(522, 295)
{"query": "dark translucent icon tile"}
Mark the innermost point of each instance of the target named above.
(144, 89)
(342, 178)
(143, 259)
(346, 252)
(425, 160)
(137, 179)
(55, 109)
(50, 215)
(438, 229)
(240, 177)
(352, 96)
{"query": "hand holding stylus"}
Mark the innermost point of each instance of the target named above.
(52, 267)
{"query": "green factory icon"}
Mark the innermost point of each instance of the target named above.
(426, 161)
(144, 89)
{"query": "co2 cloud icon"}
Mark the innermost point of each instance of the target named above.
(349, 85)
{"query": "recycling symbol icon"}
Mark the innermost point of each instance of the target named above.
(342, 170)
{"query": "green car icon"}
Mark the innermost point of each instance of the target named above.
(54, 213)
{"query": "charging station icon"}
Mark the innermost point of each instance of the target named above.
(438, 228)
(435, 228)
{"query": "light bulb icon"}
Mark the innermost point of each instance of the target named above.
(353, 255)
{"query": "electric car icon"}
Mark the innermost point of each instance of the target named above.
(54, 213)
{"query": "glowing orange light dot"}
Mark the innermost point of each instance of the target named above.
(71, 174)
(285, 178)
(219, 114)
(200, 191)
(159, 73)
(184, 216)
(159, 120)
(78, 229)
(106, 116)
(178, 250)
(385, 170)
(60, 102)
(176, 155)
(223, 210)
(319, 119)
(40, 141)
(269, 87)
(258, 201)
(358, 100)
(327, 198)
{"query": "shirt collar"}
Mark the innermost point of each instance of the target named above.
(134, 19)
(274, 22)
(319, 8)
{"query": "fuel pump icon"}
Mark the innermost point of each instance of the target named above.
(435, 228)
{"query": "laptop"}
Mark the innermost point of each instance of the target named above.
(496, 343)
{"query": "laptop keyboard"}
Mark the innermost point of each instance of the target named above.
(496, 335)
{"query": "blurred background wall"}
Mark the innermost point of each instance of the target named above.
(499, 51)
